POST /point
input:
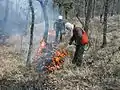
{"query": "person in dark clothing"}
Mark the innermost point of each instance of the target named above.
(77, 37)
(59, 26)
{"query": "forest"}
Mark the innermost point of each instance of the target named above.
(59, 44)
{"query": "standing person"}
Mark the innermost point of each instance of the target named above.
(59, 26)
(77, 37)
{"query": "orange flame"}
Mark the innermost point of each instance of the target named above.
(39, 50)
(42, 44)
(57, 60)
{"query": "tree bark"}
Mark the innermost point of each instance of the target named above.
(88, 15)
(93, 9)
(85, 7)
(118, 7)
(60, 10)
(80, 20)
(43, 6)
(105, 23)
(6, 11)
(4, 21)
(102, 11)
(31, 34)
(66, 14)
(113, 8)
(6, 14)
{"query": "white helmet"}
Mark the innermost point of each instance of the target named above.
(60, 17)
(69, 25)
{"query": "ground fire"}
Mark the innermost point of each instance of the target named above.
(52, 62)
(43, 45)
(40, 49)
(57, 60)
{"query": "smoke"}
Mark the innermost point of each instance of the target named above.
(15, 22)
(40, 25)
(18, 17)
(17, 26)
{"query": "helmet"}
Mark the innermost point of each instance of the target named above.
(60, 17)
(69, 25)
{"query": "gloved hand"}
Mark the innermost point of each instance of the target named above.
(68, 46)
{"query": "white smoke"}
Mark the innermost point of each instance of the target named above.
(19, 20)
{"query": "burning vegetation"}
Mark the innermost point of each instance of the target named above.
(40, 49)
(57, 60)
(51, 62)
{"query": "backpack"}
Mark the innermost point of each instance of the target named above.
(84, 40)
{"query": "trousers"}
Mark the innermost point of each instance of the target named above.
(58, 32)
(78, 56)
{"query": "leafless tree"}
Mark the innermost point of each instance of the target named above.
(31, 33)
(93, 8)
(113, 8)
(88, 15)
(44, 9)
(105, 23)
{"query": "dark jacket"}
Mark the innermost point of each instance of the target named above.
(77, 36)
(59, 25)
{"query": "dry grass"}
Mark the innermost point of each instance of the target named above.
(100, 69)
(12, 67)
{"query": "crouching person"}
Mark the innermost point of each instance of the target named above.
(69, 26)
(80, 41)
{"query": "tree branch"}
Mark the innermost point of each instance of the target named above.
(80, 20)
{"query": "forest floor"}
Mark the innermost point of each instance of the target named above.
(100, 69)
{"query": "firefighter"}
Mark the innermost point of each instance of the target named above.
(77, 37)
(59, 26)
(69, 26)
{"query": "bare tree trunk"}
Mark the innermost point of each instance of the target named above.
(43, 5)
(105, 23)
(88, 15)
(60, 10)
(4, 21)
(66, 14)
(102, 11)
(85, 7)
(119, 21)
(80, 21)
(6, 15)
(31, 34)
(93, 9)
(118, 7)
(113, 8)
(21, 42)
(6, 11)
(101, 17)
(46, 24)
